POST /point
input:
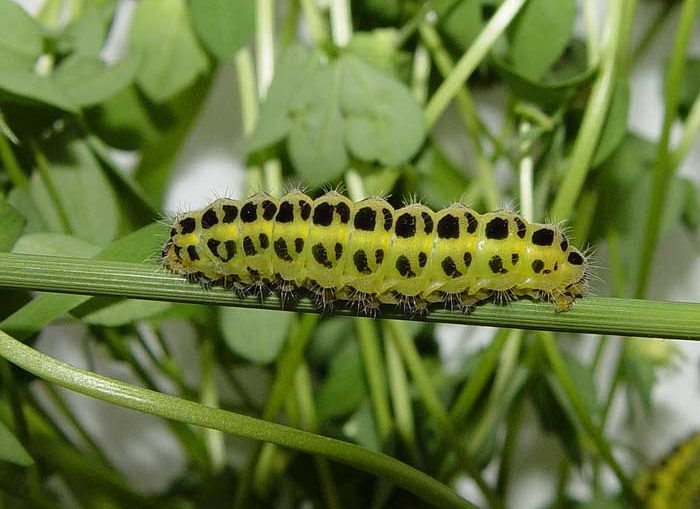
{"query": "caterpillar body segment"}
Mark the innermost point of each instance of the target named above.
(369, 253)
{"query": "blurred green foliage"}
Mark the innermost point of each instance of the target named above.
(338, 109)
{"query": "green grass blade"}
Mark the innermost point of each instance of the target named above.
(170, 407)
(595, 315)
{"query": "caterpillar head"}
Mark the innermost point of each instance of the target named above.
(179, 252)
(575, 269)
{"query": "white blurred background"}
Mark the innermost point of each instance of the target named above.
(211, 163)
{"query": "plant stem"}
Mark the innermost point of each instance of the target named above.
(189, 441)
(409, 354)
(245, 72)
(248, 99)
(595, 315)
(307, 410)
(514, 425)
(317, 25)
(67, 413)
(420, 74)
(341, 22)
(265, 59)
(289, 25)
(471, 59)
(209, 396)
(569, 387)
(264, 44)
(356, 188)
(663, 12)
(374, 372)
(170, 407)
(590, 17)
(595, 114)
(11, 392)
(663, 170)
(617, 377)
(467, 112)
(45, 172)
(400, 396)
(478, 379)
(499, 404)
(9, 162)
(287, 365)
(414, 22)
(525, 173)
(690, 134)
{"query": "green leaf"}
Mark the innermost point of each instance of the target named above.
(328, 110)
(224, 26)
(21, 199)
(88, 81)
(84, 193)
(615, 127)
(328, 337)
(126, 121)
(157, 159)
(361, 427)
(383, 121)
(315, 142)
(6, 131)
(296, 68)
(11, 449)
(55, 244)
(126, 312)
(554, 417)
(583, 379)
(86, 34)
(141, 208)
(691, 205)
(690, 86)
(461, 22)
(29, 85)
(601, 503)
(539, 35)
(377, 48)
(12, 225)
(136, 247)
(255, 335)
(563, 81)
(385, 10)
(638, 371)
(378, 181)
(621, 176)
(22, 38)
(624, 186)
(344, 388)
(172, 58)
(440, 182)
(50, 14)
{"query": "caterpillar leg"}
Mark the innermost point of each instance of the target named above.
(562, 301)
(286, 289)
(324, 297)
(366, 303)
(468, 301)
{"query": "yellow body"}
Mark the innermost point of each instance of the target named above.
(370, 252)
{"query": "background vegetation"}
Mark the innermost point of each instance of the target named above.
(374, 95)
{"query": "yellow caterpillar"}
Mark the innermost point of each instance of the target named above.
(370, 253)
(674, 483)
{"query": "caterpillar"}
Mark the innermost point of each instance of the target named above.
(674, 481)
(368, 253)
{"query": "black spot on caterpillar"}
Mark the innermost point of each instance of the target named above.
(368, 253)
